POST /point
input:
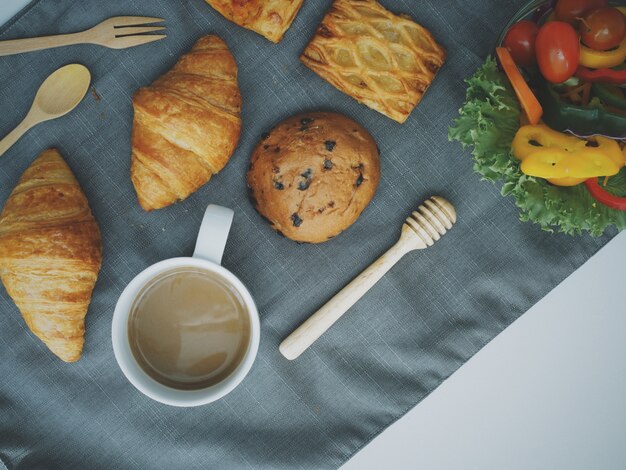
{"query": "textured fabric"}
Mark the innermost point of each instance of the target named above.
(429, 315)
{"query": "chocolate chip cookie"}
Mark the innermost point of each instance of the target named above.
(313, 175)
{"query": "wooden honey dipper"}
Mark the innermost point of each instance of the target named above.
(420, 230)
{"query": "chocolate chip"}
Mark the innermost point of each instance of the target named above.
(305, 123)
(331, 204)
(321, 210)
(295, 218)
(265, 146)
(307, 175)
(359, 180)
(277, 150)
(278, 185)
(330, 145)
(275, 170)
(265, 135)
(328, 164)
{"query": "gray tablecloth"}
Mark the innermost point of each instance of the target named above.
(415, 328)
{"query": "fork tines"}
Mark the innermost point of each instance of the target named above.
(121, 21)
(129, 31)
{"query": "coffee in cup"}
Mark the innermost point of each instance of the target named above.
(188, 329)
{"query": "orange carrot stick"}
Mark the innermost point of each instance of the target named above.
(526, 97)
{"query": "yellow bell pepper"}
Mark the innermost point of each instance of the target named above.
(563, 159)
(552, 163)
(567, 181)
(602, 59)
(544, 136)
(610, 148)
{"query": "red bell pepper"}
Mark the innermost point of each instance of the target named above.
(609, 76)
(604, 197)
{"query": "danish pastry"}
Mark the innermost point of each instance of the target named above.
(50, 254)
(186, 125)
(382, 60)
(269, 18)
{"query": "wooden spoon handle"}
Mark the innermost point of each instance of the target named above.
(17, 46)
(14, 135)
(303, 337)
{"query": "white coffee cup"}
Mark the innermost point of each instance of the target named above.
(207, 256)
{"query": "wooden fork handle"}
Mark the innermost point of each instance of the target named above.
(17, 46)
(303, 337)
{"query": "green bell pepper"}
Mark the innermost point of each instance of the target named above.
(608, 97)
(581, 120)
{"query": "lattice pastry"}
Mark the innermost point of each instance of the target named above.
(269, 18)
(382, 60)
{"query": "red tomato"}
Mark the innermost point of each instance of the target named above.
(520, 41)
(558, 51)
(603, 29)
(570, 11)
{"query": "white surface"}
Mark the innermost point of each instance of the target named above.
(8, 8)
(549, 393)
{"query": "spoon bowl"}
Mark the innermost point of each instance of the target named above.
(59, 94)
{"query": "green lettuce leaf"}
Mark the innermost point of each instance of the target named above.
(487, 124)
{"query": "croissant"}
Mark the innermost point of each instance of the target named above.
(186, 125)
(50, 254)
(269, 18)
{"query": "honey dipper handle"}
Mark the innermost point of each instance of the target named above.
(303, 337)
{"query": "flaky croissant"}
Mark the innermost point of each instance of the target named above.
(186, 125)
(50, 253)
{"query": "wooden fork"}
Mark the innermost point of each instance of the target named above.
(118, 32)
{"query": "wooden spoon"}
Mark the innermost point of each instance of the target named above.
(421, 230)
(58, 95)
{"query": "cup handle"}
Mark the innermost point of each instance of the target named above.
(213, 233)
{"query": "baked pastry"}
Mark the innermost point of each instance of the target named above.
(186, 126)
(269, 18)
(313, 175)
(50, 254)
(382, 60)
